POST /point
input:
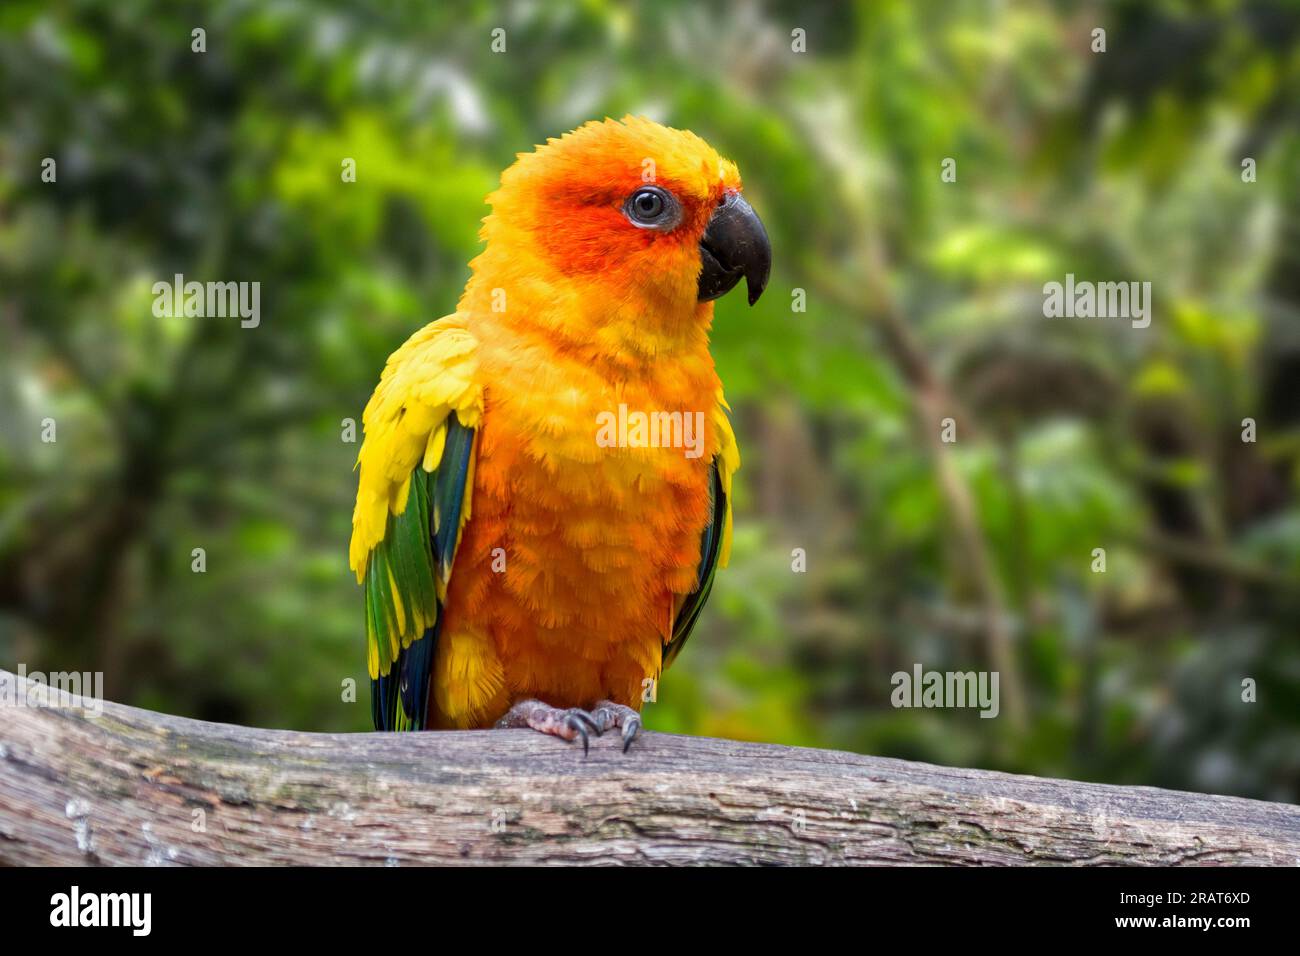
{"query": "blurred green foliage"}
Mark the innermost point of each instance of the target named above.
(924, 301)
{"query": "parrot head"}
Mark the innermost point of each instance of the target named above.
(646, 219)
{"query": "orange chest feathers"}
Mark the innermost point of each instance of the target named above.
(590, 497)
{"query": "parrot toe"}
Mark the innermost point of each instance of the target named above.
(609, 714)
(567, 723)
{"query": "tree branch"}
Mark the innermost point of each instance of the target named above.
(133, 787)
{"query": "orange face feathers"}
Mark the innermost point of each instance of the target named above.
(561, 226)
(576, 185)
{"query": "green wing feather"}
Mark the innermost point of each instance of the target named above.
(710, 552)
(408, 570)
(413, 498)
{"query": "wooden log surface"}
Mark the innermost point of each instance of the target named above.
(129, 786)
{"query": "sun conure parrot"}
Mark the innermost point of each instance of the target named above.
(518, 572)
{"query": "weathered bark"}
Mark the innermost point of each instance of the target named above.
(134, 787)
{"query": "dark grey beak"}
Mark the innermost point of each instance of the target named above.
(734, 245)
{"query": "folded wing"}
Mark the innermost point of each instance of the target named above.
(413, 499)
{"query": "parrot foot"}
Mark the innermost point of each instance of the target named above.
(569, 723)
(608, 714)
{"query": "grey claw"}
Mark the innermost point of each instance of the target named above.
(580, 728)
(630, 730)
(586, 719)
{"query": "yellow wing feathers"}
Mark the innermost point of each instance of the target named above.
(431, 377)
(728, 465)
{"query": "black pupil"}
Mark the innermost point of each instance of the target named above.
(649, 204)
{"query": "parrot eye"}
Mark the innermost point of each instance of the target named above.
(652, 208)
(648, 205)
